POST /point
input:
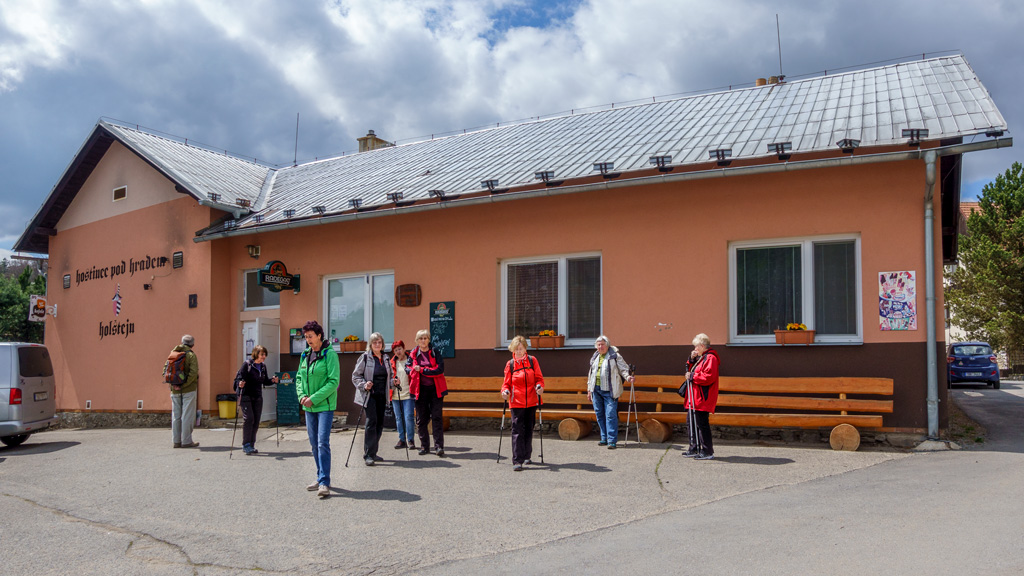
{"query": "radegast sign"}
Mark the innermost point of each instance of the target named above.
(275, 277)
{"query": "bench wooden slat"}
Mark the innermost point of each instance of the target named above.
(844, 385)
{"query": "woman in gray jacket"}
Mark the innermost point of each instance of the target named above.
(372, 379)
(604, 386)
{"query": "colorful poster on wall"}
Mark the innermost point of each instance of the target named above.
(897, 300)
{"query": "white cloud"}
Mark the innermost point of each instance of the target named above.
(37, 38)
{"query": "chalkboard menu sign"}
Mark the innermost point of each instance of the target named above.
(288, 410)
(442, 328)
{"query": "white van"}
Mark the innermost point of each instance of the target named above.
(27, 402)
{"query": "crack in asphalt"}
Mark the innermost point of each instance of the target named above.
(140, 536)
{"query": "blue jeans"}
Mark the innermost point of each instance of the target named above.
(318, 427)
(607, 409)
(405, 418)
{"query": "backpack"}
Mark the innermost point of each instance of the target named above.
(176, 369)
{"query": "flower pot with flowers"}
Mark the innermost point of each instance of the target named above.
(547, 339)
(352, 343)
(795, 333)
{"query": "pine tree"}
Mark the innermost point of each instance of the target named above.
(986, 293)
(14, 302)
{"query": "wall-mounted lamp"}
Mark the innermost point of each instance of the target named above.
(915, 135)
(395, 197)
(254, 250)
(321, 210)
(847, 145)
(781, 149)
(489, 184)
(355, 203)
(721, 155)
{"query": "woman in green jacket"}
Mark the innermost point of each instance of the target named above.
(316, 384)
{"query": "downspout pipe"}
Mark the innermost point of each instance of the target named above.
(929, 291)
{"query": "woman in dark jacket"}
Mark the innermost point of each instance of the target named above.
(428, 386)
(523, 386)
(249, 383)
(372, 379)
(701, 396)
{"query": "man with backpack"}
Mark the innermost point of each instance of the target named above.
(181, 373)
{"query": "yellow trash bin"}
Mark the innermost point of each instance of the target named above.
(226, 405)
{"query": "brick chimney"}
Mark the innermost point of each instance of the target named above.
(372, 142)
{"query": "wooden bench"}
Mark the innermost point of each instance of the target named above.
(806, 403)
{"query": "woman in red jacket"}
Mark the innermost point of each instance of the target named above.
(701, 396)
(523, 386)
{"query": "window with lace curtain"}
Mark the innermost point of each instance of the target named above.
(560, 293)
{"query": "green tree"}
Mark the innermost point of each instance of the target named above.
(986, 293)
(14, 300)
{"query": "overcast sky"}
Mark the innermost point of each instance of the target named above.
(233, 75)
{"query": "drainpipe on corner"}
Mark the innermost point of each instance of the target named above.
(929, 287)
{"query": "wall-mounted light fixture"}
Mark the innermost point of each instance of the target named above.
(253, 249)
(355, 203)
(721, 155)
(847, 145)
(915, 135)
(395, 197)
(780, 149)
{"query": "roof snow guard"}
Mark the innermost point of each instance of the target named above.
(941, 95)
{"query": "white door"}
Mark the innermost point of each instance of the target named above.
(267, 332)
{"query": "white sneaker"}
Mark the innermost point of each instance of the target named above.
(324, 491)
(312, 487)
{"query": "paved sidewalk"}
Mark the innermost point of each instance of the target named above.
(124, 502)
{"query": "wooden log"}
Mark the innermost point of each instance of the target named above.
(844, 437)
(654, 431)
(573, 429)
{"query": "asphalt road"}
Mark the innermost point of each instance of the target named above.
(124, 502)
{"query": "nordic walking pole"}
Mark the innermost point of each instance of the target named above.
(504, 405)
(356, 431)
(402, 416)
(238, 404)
(631, 409)
(540, 412)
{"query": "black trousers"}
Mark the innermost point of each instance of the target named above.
(700, 433)
(375, 406)
(430, 408)
(252, 411)
(522, 433)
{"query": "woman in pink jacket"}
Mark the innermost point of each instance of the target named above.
(701, 396)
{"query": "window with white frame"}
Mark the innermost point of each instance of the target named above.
(257, 297)
(560, 293)
(813, 281)
(359, 305)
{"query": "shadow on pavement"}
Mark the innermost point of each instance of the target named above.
(760, 460)
(581, 466)
(386, 495)
(30, 448)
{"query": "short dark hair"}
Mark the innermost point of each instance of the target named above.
(314, 327)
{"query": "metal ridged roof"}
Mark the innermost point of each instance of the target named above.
(942, 95)
(199, 170)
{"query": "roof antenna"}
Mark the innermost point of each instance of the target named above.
(779, 36)
(295, 161)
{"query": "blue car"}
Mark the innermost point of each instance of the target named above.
(972, 362)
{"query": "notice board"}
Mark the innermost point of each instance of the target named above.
(442, 328)
(288, 410)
